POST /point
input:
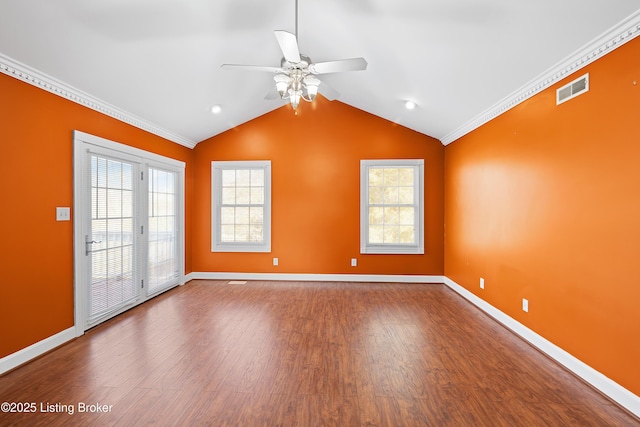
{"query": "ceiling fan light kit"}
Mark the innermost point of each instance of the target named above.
(295, 78)
(297, 85)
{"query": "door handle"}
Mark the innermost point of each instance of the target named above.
(88, 243)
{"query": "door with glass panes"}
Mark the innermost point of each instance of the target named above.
(130, 232)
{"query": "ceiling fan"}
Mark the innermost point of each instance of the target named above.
(295, 77)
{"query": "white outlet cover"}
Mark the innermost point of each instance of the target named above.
(481, 283)
(354, 262)
(525, 305)
(275, 261)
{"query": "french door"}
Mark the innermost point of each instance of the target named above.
(128, 210)
(112, 246)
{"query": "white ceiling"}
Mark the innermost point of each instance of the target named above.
(159, 60)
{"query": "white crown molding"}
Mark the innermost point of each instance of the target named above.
(615, 37)
(40, 80)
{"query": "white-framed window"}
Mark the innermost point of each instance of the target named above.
(392, 206)
(241, 206)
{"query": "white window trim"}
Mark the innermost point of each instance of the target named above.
(216, 198)
(369, 248)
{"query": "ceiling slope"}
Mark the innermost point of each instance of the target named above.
(156, 63)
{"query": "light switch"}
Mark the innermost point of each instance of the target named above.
(63, 214)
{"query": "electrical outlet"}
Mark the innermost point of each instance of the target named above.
(275, 261)
(525, 305)
(354, 262)
(481, 283)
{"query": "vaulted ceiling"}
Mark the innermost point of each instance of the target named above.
(156, 63)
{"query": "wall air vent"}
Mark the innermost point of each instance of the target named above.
(573, 89)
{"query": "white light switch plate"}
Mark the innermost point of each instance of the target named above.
(63, 214)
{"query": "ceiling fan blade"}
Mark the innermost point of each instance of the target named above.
(328, 92)
(274, 70)
(288, 45)
(353, 64)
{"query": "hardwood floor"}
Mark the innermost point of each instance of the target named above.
(303, 354)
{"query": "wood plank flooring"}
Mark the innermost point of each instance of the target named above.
(303, 354)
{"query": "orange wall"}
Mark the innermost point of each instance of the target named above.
(544, 203)
(36, 252)
(316, 190)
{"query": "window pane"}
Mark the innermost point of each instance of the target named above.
(405, 195)
(153, 226)
(127, 204)
(114, 205)
(256, 233)
(242, 215)
(228, 178)
(391, 234)
(228, 195)
(171, 204)
(407, 234)
(376, 215)
(161, 200)
(243, 177)
(127, 231)
(376, 195)
(99, 235)
(127, 176)
(407, 216)
(376, 234)
(101, 177)
(391, 215)
(257, 177)
(227, 233)
(405, 176)
(114, 227)
(114, 174)
(257, 195)
(227, 215)
(242, 233)
(243, 195)
(256, 215)
(391, 195)
(171, 183)
(390, 176)
(375, 176)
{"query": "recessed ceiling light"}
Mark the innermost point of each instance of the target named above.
(409, 105)
(216, 109)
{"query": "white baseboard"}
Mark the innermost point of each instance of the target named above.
(20, 357)
(608, 387)
(304, 277)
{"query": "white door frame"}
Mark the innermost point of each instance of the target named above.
(82, 143)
